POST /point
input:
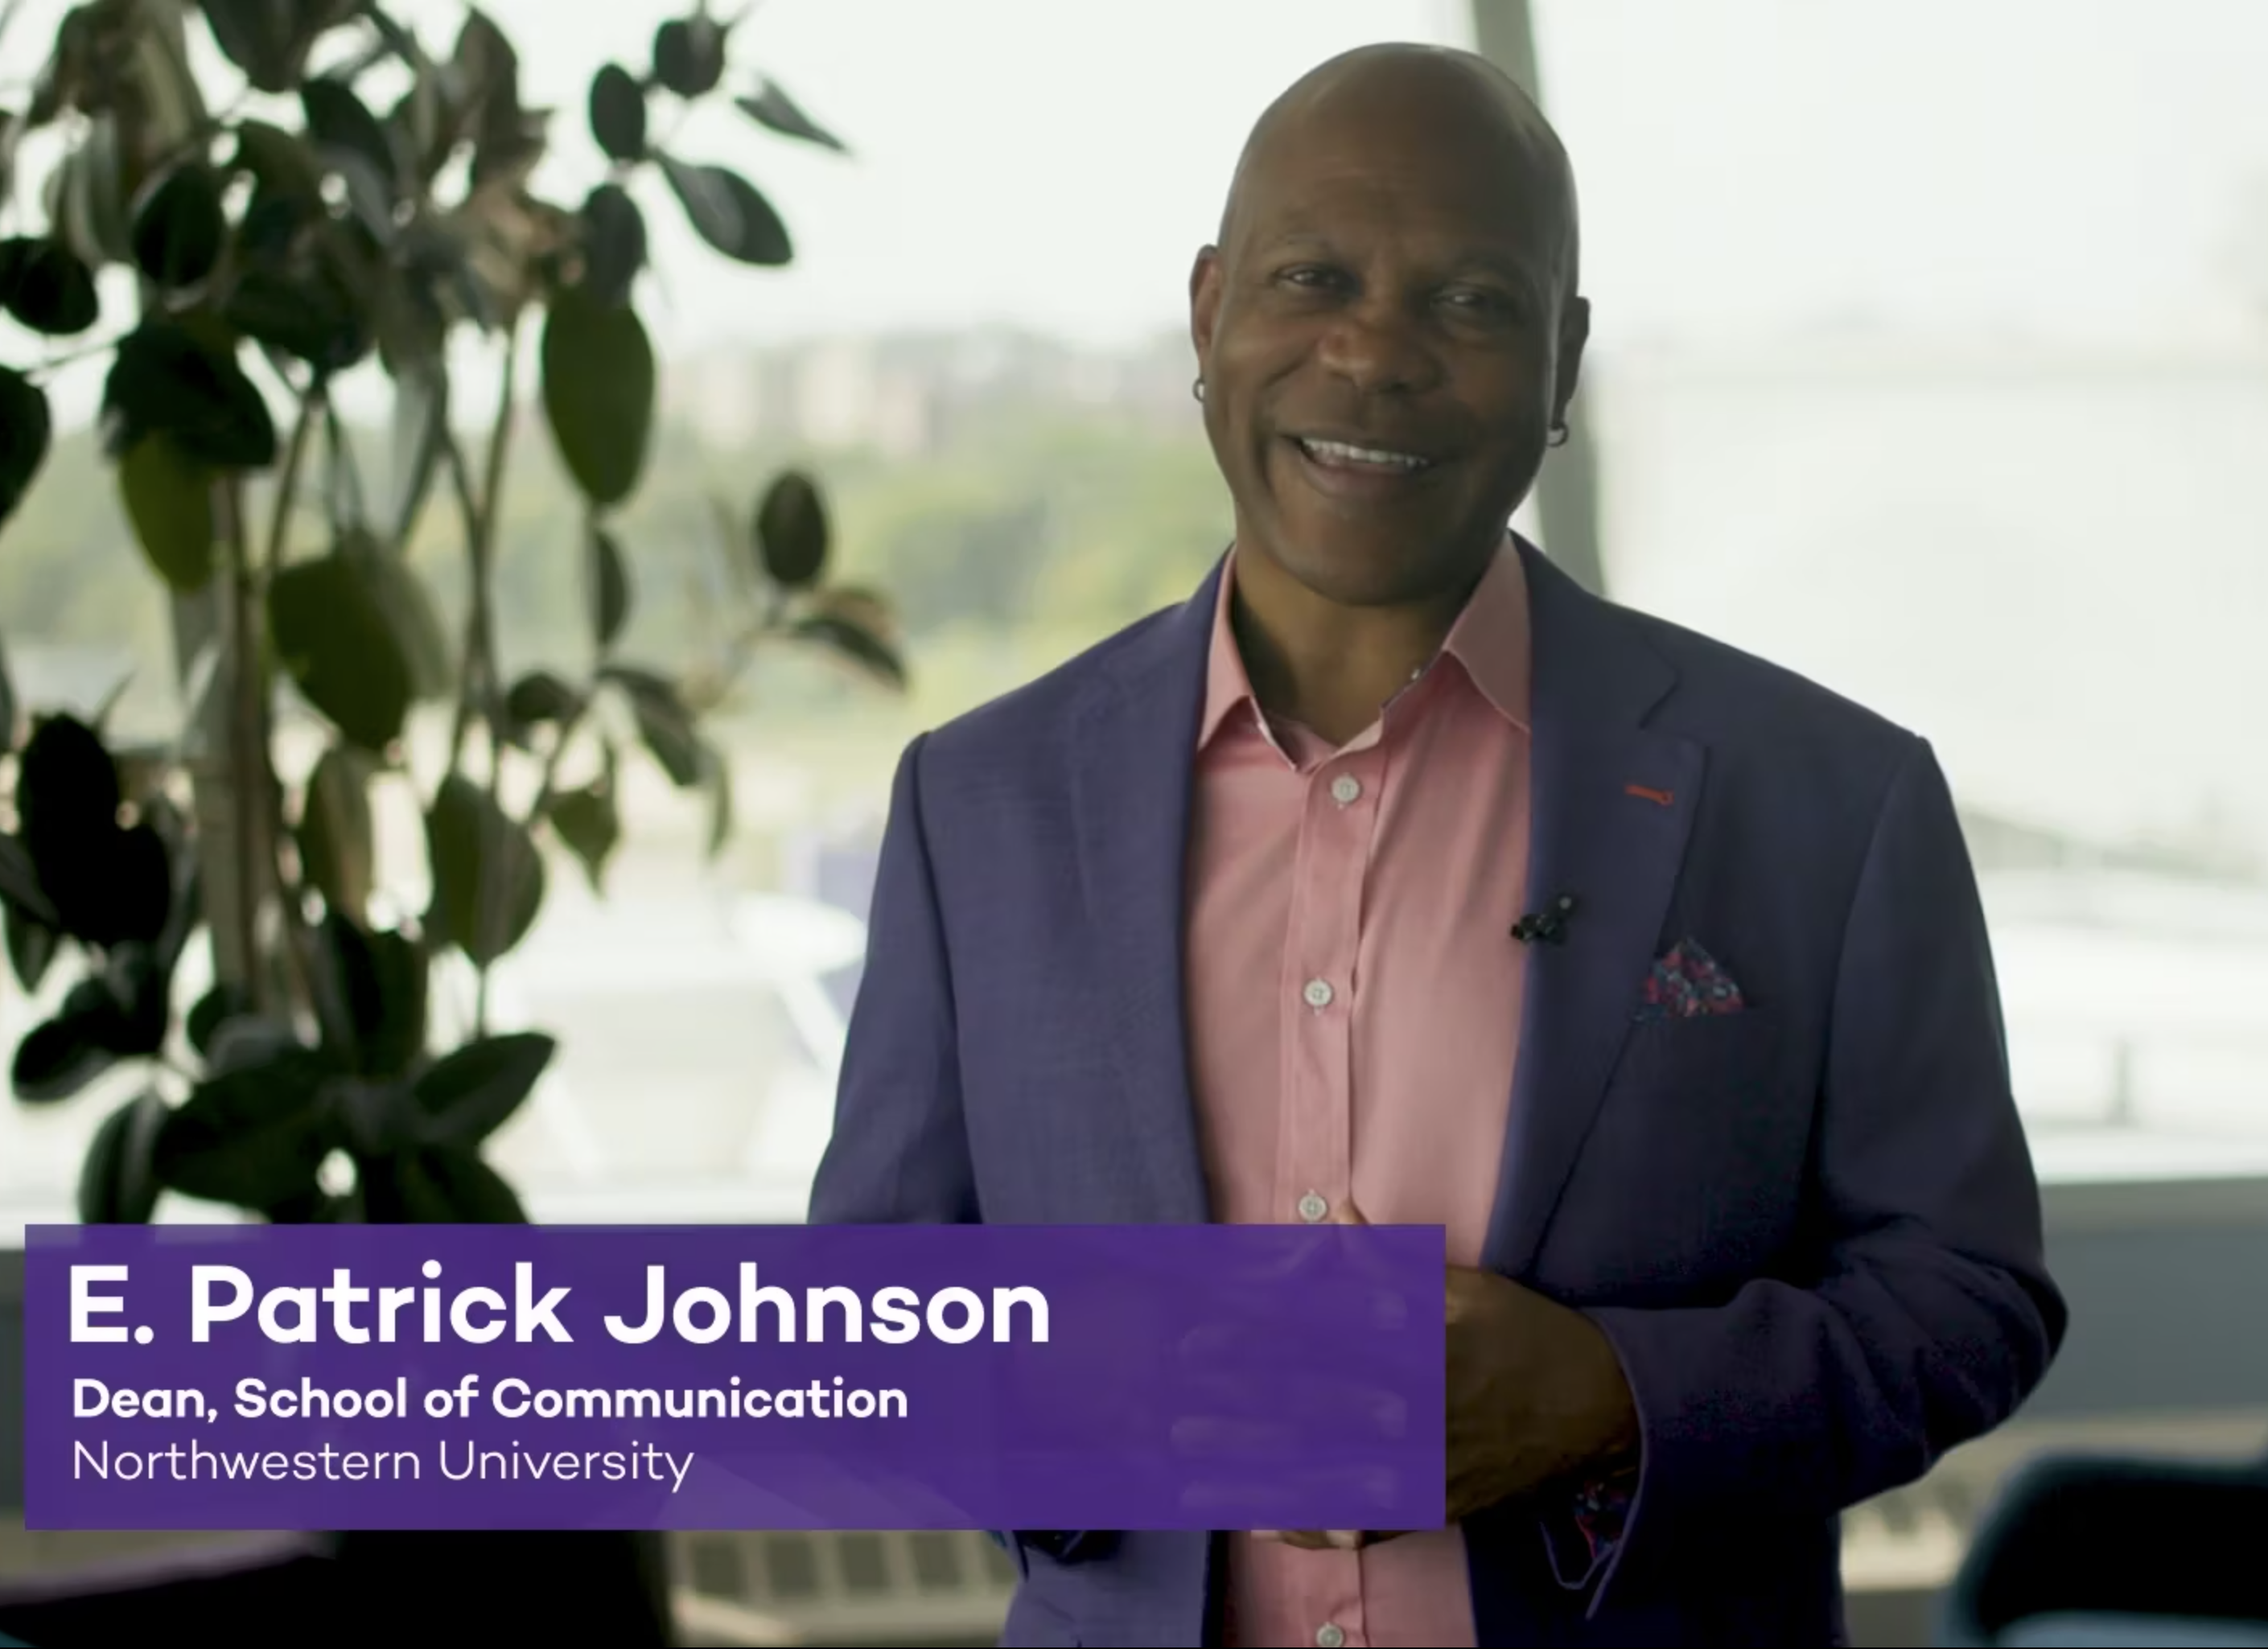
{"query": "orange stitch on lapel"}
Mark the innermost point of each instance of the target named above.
(1661, 797)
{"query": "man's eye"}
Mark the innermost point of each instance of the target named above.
(1309, 274)
(1475, 301)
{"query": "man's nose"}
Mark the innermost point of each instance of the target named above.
(1377, 347)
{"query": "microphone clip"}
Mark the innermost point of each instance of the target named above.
(1546, 927)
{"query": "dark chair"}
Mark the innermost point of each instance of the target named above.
(2080, 1551)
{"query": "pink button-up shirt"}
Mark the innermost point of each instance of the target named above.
(1354, 1005)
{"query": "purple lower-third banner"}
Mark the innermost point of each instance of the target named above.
(903, 1377)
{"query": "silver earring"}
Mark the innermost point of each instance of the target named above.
(1558, 435)
(1196, 389)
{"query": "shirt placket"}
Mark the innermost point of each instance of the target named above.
(1314, 1179)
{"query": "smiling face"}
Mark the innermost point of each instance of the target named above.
(1387, 330)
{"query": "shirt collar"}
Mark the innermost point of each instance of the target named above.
(1490, 642)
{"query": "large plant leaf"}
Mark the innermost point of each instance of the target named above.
(67, 799)
(420, 438)
(339, 644)
(726, 210)
(281, 167)
(378, 1117)
(47, 288)
(179, 225)
(59, 1058)
(169, 501)
(792, 531)
(337, 841)
(269, 40)
(135, 899)
(467, 1096)
(20, 883)
(688, 53)
(717, 776)
(166, 376)
(608, 579)
(342, 125)
(871, 653)
(598, 394)
(118, 1182)
(382, 981)
(27, 432)
(664, 724)
(252, 1138)
(618, 113)
(613, 244)
(216, 1008)
(586, 821)
(31, 946)
(488, 876)
(540, 698)
(405, 600)
(140, 984)
(247, 1041)
(319, 309)
(439, 1187)
(772, 107)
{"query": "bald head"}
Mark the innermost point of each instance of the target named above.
(1477, 109)
(1389, 329)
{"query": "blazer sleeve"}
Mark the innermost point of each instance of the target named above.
(1927, 1315)
(899, 1153)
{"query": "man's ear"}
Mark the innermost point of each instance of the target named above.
(1204, 301)
(1574, 335)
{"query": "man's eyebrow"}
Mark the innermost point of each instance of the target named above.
(1294, 237)
(1527, 273)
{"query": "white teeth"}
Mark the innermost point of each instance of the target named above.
(1346, 454)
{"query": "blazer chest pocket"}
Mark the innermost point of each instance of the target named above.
(1728, 1054)
(1697, 1156)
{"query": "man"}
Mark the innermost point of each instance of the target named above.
(1395, 878)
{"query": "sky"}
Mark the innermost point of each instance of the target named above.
(2053, 168)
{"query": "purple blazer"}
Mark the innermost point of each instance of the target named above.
(1810, 1228)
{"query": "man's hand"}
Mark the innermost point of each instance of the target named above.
(1536, 1395)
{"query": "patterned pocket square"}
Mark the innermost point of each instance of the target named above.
(1686, 983)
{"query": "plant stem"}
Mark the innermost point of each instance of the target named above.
(482, 511)
(299, 941)
(247, 753)
(313, 405)
(468, 684)
(483, 516)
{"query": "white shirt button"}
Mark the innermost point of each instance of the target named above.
(1318, 993)
(1330, 1635)
(1313, 1208)
(1346, 788)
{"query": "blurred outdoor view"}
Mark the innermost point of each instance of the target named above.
(1931, 360)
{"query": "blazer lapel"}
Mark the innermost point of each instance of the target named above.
(1134, 745)
(1612, 802)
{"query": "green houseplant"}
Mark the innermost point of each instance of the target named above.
(285, 230)
(343, 201)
